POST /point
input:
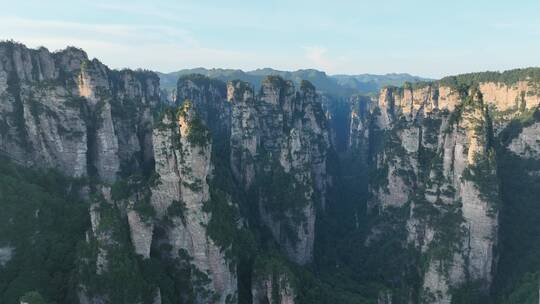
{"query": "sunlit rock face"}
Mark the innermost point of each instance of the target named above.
(184, 164)
(65, 111)
(437, 162)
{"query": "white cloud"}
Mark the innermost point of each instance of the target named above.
(202, 13)
(121, 45)
(317, 56)
(126, 33)
(156, 47)
(320, 58)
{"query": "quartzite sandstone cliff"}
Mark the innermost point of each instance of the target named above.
(227, 194)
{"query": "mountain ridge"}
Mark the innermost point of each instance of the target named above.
(339, 84)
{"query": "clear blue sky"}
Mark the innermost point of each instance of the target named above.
(428, 38)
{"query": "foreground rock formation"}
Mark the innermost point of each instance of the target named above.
(183, 149)
(435, 171)
(65, 111)
(278, 149)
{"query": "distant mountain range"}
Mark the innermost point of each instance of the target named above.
(339, 85)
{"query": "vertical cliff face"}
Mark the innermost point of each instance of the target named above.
(278, 144)
(66, 111)
(273, 289)
(434, 163)
(518, 159)
(358, 135)
(244, 139)
(208, 96)
(63, 110)
(468, 169)
(526, 145)
(273, 283)
(29, 98)
(183, 147)
(338, 116)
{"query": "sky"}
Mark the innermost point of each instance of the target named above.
(427, 38)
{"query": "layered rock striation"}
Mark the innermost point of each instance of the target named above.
(66, 111)
(434, 168)
(183, 149)
(279, 141)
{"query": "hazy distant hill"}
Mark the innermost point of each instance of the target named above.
(367, 83)
(333, 84)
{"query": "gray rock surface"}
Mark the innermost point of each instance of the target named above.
(184, 169)
(281, 127)
(273, 289)
(65, 111)
(451, 187)
(527, 144)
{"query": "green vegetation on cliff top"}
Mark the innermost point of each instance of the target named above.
(466, 81)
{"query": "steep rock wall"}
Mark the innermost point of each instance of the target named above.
(279, 142)
(273, 282)
(183, 161)
(274, 288)
(439, 165)
(63, 110)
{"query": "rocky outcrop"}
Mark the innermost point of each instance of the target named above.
(263, 290)
(182, 149)
(208, 97)
(522, 94)
(62, 110)
(338, 112)
(439, 165)
(279, 142)
(65, 111)
(430, 97)
(272, 282)
(141, 233)
(275, 136)
(38, 126)
(244, 139)
(358, 135)
(469, 170)
(527, 144)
